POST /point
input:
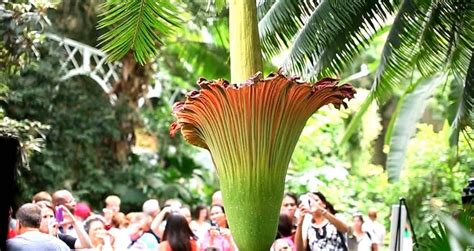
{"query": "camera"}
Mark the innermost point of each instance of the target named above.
(215, 226)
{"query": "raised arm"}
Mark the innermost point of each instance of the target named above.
(300, 241)
(340, 225)
(155, 224)
(83, 240)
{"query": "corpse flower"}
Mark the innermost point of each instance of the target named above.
(251, 130)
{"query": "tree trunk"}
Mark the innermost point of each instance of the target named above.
(132, 85)
(386, 112)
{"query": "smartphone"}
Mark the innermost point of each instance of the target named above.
(305, 201)
(59, 214)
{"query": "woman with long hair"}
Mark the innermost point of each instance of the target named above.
(200, 224)
(177, 235)
(325, 231)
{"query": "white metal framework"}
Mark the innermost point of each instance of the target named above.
(82, 59)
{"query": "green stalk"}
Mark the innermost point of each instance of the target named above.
(249, 201)
(245, 51)
(252, 209)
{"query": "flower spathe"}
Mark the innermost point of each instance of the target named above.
(251, 131)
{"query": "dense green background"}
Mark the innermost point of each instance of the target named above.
(74, 137)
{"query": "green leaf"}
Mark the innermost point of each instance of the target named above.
(458, 231)
(399, 49)
(321, 37)
(263, 6)
(396, 113)
(219, 4)
(426, 36)
(463, 41)
(279, 22)
(200, 56)
(464, 105)
(429, 36)
(189, 56)
(138, 26)
(447, 36)
(405, 125)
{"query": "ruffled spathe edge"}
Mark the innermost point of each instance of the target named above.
(185, 110)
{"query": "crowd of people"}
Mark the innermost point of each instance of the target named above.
(58, 222)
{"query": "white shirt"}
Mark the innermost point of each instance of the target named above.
(376, 231)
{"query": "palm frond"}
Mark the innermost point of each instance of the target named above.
(429, 36)
(191, 55)
(463, 41)
(463, 103)
(436, 239)
(448, 25)
(138, 26)
(449, 233)
(461, 62)
(280, 21)
(405, 125)
(263, 6)
(323, 37)
(399, 49)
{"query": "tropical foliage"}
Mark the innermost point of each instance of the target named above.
(428, 43)
(78, 141)
(79, 150)
(21, 28)
(137, 25)
(75, 137)
(449, 233)
(425, 38)
(353, 184)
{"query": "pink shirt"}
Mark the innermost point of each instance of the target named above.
(219, 242)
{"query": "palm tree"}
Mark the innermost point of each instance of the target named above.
(429, 42)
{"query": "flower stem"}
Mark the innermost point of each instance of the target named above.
(245, 51)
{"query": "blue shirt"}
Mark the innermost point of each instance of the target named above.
(34, 240)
